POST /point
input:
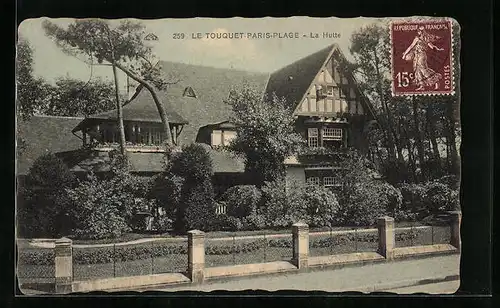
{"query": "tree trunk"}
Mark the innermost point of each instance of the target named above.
(119, 109)
(390, 133)
(452, 138)
(431, 121)
(418, 135)
(161, 110)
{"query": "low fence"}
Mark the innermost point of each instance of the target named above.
(118, 260)
(346, 241)
(235, 250)
(67, 263)
(417, 234)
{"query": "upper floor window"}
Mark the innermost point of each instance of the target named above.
(332, 133)
(313, 137)
(189, 92)
(330, 90)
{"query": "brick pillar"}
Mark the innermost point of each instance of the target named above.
(386, 237)
(64, 265)
(300, 232)
(455, 221)
(196, 256)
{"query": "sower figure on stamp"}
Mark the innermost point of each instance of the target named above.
(417, 51)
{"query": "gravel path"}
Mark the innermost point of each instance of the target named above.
(49, 243)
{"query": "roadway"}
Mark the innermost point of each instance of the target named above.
(439, 274)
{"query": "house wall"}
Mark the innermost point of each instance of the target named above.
(295, 173)
(340, 94)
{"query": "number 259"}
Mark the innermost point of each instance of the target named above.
(404, 79)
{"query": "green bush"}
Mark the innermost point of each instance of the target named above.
(200, 205)
(225, 222)
(283, 205)
(100, 209)
(238, 248)
(440, 197)
(196, 209)
(322, 206)
(42, 204)
(254, 222)
(242, 200)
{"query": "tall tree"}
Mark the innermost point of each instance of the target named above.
(369, 47)
(121, 47)
(265, 134)
(31, 91)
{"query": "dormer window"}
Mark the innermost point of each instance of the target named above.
(189, 92)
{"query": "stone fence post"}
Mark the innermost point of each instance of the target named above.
(456, 220)
(386, 237)
(300, 233)
(64, 265)
(196, 256)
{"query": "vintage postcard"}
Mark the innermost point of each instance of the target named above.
(212, 154)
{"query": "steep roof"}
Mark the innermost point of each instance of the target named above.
(44, 134)
(211, 86)
(293, 80)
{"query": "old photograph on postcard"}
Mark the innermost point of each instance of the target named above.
(315, 154)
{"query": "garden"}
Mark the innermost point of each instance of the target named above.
(255, 228)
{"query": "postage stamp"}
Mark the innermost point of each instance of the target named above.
(422, 57)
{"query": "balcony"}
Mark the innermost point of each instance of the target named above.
(322, 155)
(129, 146)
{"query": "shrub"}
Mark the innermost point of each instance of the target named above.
(254, 222)
(322, 206)
(200, 205)
(242, 200)
(224, 222)
(440, 197)
(283, 204)
(196, 209)
(42, 205)
(100, 209)
(237, 248)
(166, 190)
(162, 223)
(367, 202)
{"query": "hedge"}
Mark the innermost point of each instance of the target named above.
(122, 254)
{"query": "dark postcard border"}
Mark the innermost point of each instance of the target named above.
(476, 112)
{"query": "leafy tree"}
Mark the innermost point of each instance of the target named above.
(409, 127)
(73, 97)
(196, 209)
(265, 134)
(365, 196)
(31, 91)
(122, 47)
(42, 202)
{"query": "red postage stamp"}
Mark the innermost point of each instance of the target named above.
(422, 57)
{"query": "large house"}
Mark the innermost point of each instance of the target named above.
(330, 111)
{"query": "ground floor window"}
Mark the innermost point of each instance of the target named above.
(326, 178)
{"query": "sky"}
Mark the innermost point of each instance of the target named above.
(246, 52)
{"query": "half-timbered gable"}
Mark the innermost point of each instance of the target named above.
(331, 112)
